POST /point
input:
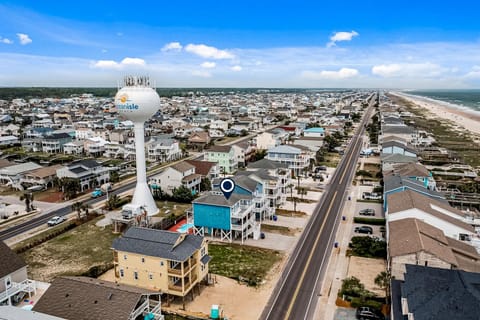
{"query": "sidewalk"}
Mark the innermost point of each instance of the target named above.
(338, 264)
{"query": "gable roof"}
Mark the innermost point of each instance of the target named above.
(411, 170)
(395, 182)
(183, 166)
(441, 294)
(89, 163)
(396, 158)
(10, 261)
(404, 200)
(285, 149)
(411, 235)
(267, 164)
(45, 171)
(202, 167)
(217, 148)
(158, 243)
(406, 147)
(88, 298)
(218, 199)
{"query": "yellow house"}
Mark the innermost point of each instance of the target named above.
(169, 262)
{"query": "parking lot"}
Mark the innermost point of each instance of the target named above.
(377, 207)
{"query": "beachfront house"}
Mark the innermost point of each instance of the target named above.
(161, 261)
(88, 172)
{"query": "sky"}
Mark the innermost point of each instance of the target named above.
(282, 44)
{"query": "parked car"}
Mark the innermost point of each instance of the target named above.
(367, 313)
(367, 212)
(364, 229)
(55, 220)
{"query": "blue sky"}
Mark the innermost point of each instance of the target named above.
(392, 44)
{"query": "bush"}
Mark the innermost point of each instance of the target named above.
(371, 221)
(363, 173)
(362, 302)
(368, 247)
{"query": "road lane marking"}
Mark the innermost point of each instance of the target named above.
(297, 289)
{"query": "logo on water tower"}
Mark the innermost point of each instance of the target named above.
(124, 105)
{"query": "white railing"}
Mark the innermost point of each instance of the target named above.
(16, 287)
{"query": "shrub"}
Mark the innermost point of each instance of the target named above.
(362, 302)
(368, 247)
(371, 221)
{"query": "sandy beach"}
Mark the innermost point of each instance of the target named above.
(468, 119)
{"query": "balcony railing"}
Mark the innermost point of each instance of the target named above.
(16, 287)
(175, 271)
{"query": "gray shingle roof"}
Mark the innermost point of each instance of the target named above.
(441, 294)
(395, 182)
(158, 243)
(267, 164)
(89, 163)
(220, 200)
(82, 298)
(9, 260)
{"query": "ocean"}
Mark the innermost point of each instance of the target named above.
(469, 99)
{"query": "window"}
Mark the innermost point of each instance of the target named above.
(124, 257)
(135, 275)
(202, 252)
(122, 274)
(143, 260)
(161, 263)
(150, 276)
(202, 267)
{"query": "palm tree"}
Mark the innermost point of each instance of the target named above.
(112, 202)
(383, 281)
(28, 197)
(77, 206)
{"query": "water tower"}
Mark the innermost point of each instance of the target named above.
(138, 101)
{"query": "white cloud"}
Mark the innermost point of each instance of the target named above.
(111, 64)
(422, 70)
(201, 73)
(172, 46)
(133, 62)
(236, 68)
(343, 73)
(5, 40)
(24, 38)
(208, 65)
(205, 51)
(341, 36)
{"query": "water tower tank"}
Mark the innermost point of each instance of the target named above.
(137, 101)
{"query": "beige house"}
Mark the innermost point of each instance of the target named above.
(159, 260)
(412, 241)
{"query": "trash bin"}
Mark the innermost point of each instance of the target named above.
(344, 218)
(335, 245)
(274, 218)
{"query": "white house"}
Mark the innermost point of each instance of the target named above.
(173, 177)
(88, 172)
(410, 204)
(163, 150)
(296, 158)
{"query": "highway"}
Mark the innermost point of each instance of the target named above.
(298, 288)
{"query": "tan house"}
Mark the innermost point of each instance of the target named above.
(159, 260)
(199, 139)
(412, 241)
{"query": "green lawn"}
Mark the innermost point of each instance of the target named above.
(74, 252)
(242, 262)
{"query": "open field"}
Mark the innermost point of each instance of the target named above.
(74, 252)
(241, 262)
(332, 159)
(289, 213)
(176, 208)
(286, 231)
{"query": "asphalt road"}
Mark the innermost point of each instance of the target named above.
(42, 219)
(298, 289)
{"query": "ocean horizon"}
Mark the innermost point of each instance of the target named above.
(460, 98)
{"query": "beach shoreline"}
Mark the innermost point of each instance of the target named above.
(459, 115)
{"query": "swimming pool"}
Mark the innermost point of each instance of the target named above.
(184, 228)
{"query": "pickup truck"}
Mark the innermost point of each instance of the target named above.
(97, 193)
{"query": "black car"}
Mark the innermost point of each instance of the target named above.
(364, 229)
(367, 212)
(367, 313)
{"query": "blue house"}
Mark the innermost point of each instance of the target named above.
(396, 183)
(245, 185)
(223, 218)
(315, 132)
